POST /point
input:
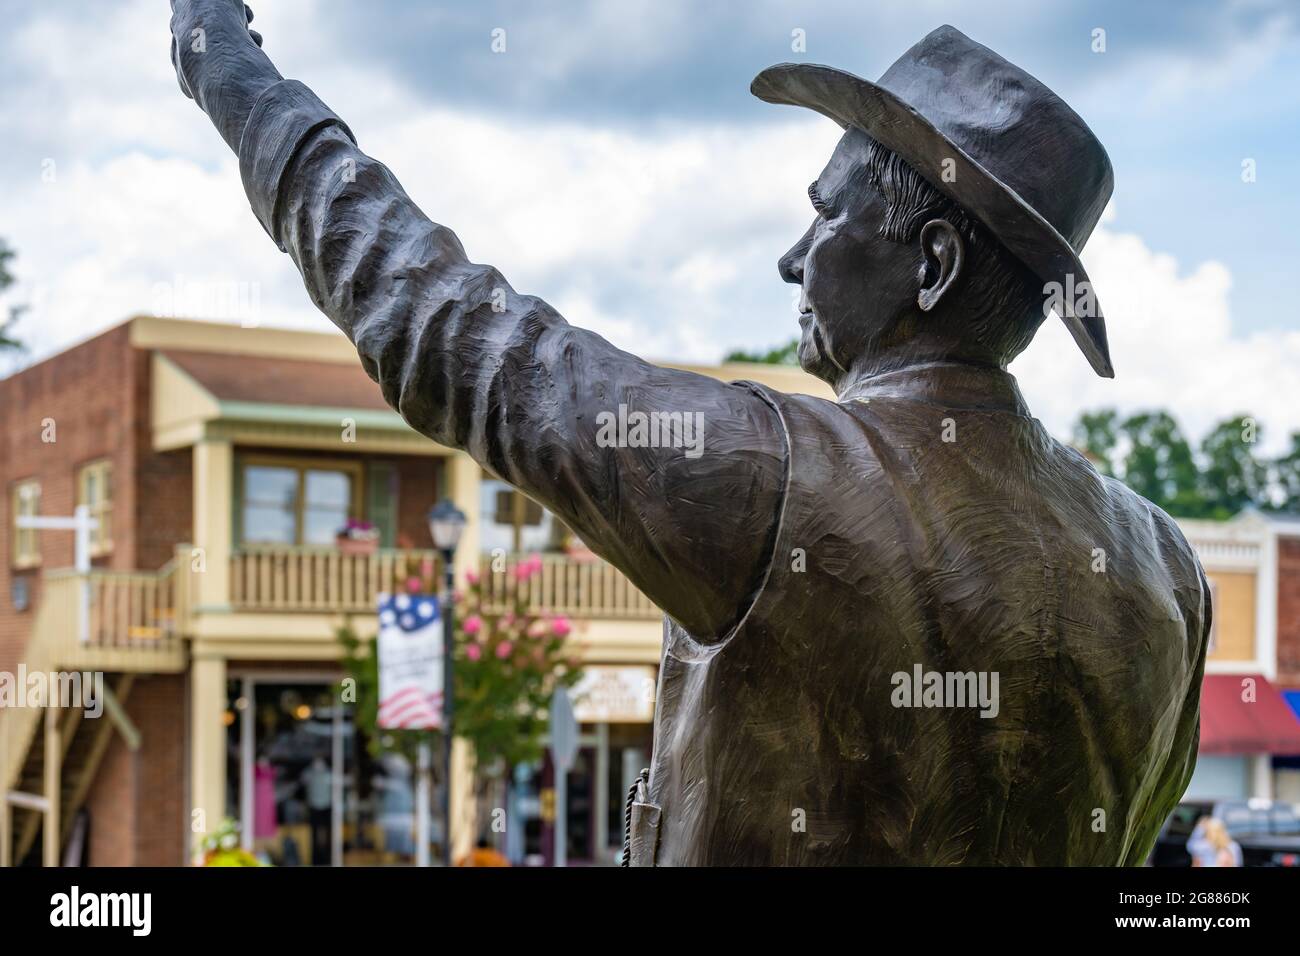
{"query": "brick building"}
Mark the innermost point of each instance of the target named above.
(1288, 605)
(1286, 534)
(220, 463)
(1250, 735)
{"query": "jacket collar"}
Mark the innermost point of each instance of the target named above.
(948, 384)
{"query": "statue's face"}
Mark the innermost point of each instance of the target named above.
(858, 287)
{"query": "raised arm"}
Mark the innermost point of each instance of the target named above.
(467, 361)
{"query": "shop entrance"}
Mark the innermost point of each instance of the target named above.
(303, 784)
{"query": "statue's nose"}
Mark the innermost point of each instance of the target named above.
(790, 265)
(791, 268)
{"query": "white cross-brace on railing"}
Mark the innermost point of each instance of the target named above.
(82, 524)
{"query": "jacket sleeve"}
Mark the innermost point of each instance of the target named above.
(674, 478)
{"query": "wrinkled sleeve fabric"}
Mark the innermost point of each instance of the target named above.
(474, 365)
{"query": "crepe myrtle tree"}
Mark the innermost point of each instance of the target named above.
(508, 659)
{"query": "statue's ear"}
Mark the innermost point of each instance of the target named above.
(944, 253)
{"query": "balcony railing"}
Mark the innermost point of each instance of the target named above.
(328, 581)
(141, 608)
(324, 579)
(133, 622)
(583, 588)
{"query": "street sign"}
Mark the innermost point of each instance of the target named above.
(564, 731)
(564, 747)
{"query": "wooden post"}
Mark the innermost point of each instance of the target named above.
(53, 775)
(207, 739)
(6, 831)
(213, 501)
(6, 828)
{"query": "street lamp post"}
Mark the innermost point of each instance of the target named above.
(446, 523)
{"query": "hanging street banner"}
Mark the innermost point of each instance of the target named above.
(409, 646)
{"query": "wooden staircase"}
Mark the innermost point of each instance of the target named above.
(49, 755)
(82, 745)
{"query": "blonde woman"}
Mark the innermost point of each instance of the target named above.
(1211, 845)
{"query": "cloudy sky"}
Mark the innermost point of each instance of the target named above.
(611, 160)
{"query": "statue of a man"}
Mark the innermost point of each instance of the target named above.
(906, 626)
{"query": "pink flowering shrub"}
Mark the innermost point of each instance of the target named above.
(508, 661)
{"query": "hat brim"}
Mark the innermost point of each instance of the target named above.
(852, 101)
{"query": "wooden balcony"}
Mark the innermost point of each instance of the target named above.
(323, 580)
(135, 621)
(141, 623)
(579, 588)
(138, 621)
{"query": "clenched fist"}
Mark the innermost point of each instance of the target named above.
(218, 59)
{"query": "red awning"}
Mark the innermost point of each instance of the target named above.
(1245, 714)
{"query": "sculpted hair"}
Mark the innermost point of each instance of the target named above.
(1003, 294)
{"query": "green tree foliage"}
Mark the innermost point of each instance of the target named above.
(1097, 434)
(1158, 463)
(1285, 475)
(787, 354)
(1221, 477)
(7, 340)
(1232, 478)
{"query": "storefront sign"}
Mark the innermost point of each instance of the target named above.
(410, 662)
(615, 694)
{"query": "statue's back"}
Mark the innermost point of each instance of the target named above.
(1064, 616)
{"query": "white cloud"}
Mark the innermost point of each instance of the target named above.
(102, 242)
(675, 225)
(1173, 345)
(664, 238)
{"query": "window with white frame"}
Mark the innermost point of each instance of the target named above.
(95, 491)
(26, 504)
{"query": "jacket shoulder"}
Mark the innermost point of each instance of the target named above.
(1174, 553)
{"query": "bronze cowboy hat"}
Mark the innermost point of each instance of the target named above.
(992, 138)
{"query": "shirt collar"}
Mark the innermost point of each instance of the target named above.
(949, 384)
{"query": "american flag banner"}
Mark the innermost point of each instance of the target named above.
(410, 662)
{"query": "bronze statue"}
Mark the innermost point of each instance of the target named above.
(906, 626)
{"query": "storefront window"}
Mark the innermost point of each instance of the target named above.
(293, 504)
(305, 787)
(292, 780)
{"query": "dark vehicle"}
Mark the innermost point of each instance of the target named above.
(1268, 831)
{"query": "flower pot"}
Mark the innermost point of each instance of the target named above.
(357, 546)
